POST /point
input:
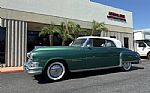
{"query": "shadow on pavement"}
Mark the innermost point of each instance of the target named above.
(143, 57)
(136, 68)
(77, 75)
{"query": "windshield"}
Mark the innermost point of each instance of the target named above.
(148, 43)
(78, 42)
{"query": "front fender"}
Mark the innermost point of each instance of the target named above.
(54, 59)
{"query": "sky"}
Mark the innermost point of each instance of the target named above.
(139, 8)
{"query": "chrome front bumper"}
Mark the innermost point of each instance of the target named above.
(30, 68)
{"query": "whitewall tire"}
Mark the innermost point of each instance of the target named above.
(126, 66)
(55, 71)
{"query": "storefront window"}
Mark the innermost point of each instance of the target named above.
(126, 42)
(112, 36)
(34, 40)
(147, 36)
(2, 44)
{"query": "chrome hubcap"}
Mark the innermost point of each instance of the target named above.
(126, 65)
(55, 71)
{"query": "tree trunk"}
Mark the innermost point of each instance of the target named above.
(92, 33)
(51, 40)
(63, 43)
(100, 33)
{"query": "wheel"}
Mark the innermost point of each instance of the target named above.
(148, 56)
(126, 66)
(55, 71)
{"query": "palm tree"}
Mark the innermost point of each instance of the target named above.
(76, 30)
(49, 30)
(97, 27)
(65, 31)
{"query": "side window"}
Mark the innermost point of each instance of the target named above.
(98, 42)
(112, 36)
(110, 43)
(141, 44)
(90, 43)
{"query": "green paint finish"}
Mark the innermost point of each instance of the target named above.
(100, 57)
(78, 58)
(72, 55)
(130, 56)
(85, 53)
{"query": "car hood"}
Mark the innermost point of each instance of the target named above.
(53, 48)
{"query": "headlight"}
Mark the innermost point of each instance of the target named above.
(30, 58)
(28, 54)
(34, 64)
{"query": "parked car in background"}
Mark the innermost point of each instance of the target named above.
(85, 53)
(142, 42)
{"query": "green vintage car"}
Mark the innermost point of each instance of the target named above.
(85, 53)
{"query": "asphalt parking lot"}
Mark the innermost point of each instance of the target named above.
(101, 81)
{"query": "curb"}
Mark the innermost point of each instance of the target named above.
(13, 71)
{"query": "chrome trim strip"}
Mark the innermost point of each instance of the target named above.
(140, 61)
(120, 64)
(85, 43)
(132, 61)
(94, 69)
(33, 72)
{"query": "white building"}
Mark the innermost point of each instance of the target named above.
(25, 18)
(142, 34)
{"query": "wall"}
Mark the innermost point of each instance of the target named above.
(16, 41)
(45, 19)
(120, 36)
(84, 10)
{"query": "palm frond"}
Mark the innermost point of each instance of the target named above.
(47, 30)
(96, 26)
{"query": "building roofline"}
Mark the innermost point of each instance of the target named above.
(142, 30)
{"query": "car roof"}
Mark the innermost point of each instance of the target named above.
(108, 38)
(116, 41)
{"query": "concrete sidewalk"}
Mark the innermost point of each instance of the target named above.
(11, 69)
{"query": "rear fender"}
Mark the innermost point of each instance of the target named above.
(128, 57)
